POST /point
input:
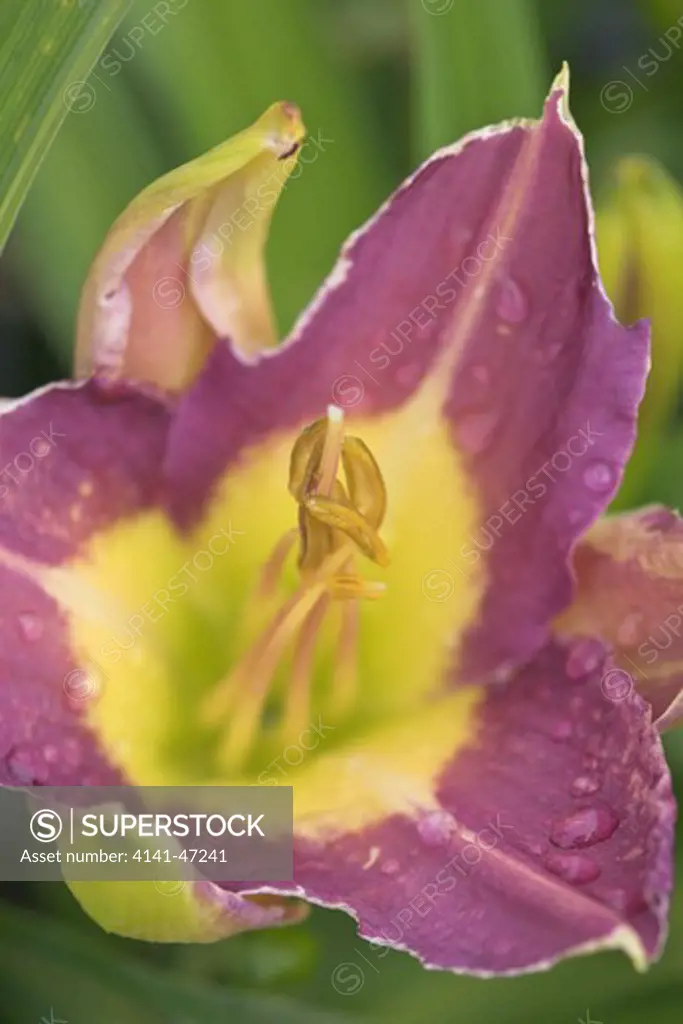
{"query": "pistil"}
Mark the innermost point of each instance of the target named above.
(332, 449)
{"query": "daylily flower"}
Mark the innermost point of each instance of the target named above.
(345, 564)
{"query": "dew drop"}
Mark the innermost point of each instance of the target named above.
(575, 868)
(548, 354)
(51, 754)
(577, 704)
(436, 828)
(389, 867)
(561, 731)
(585, 785)
(583, 658)
(31, 626)
(584, 827)
(629, 631)
(578, 516)
(475, 429)
(21, 768)
(625, 901)
(481, 373)
(409, 374)
(512, 304)
(660, 519)
(599, 476)
(462, 234)
(595, 744)
(72, 752)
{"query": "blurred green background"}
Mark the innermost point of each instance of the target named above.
(381, 83)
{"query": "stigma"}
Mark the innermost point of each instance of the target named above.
(341, 504)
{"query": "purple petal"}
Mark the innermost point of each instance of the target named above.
(552, 836)
(629, 571)
(43, 692)
(75, 461)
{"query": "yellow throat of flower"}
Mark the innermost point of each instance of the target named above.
(336, 521)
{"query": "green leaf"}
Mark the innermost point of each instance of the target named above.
(474, 64)
(45, 965)
(46, 50)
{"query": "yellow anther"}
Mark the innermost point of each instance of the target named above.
(317, 542)
(327, 512)
(304, 461)
(364, 481)
(350, 522)
(317, 539)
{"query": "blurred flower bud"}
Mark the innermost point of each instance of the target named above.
(184, 265)
(640, 245)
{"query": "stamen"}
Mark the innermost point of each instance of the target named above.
(305, 458)
(364, 480)
(350, 522)
(346, 662)
(334, 521)
(329, 462)
(255, 673)
(297, 710)
(252, 676)
(272, 570)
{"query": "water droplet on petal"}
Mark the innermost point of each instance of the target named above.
(389, 867)
(72, 752)
(436, 828)
(23, 769)
(579, 517)
(577, 704)
(584, 827)
(595, 744)
(583, 658)
(585, 785)
(481, 373)
(575, 868)
(548, 353)
(31, 626)
(475, 430)
(409, 374)
(599, 476)
(629, 631)
(512, 304)
(561, 731)
(625, 901)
